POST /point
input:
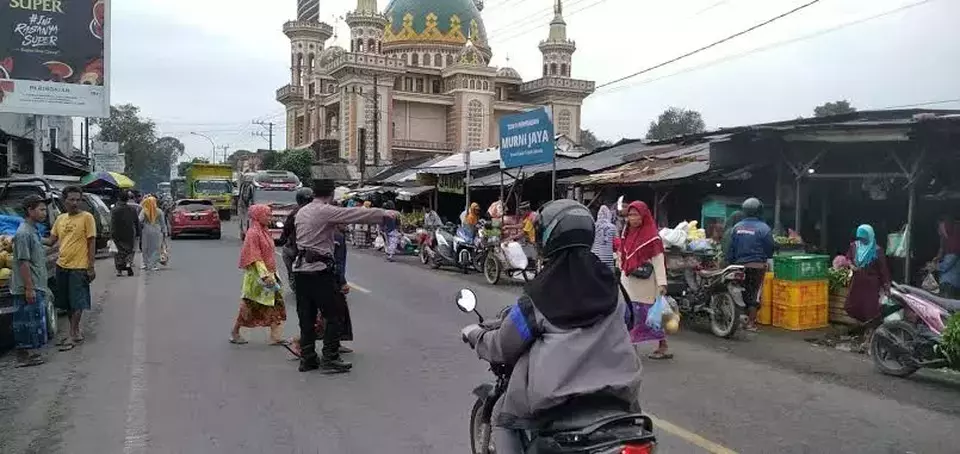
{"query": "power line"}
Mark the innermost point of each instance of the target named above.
(534, 17)
(711, 45)
(535, 23)
(769, 47)
(921, 104)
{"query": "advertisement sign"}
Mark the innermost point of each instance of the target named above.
(54, 57)
(107, 157)
(527, 139)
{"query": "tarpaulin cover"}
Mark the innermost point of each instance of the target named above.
(10, 224)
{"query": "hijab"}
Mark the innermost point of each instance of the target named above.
(258, 243)
(574, 289)
(866, 252)
(639, 244)
(473, 214)
(150, 212)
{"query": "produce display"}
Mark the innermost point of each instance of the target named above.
(6, 258)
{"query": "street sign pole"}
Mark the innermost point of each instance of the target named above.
(466, 184)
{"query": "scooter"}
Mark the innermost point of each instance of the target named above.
(580, 430)
(910, 336)
(712, 294)
(442, 247)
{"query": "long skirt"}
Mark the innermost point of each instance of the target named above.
(393, 240)
(123, 258)
(641, 332)
(151, 242)
(255, 315)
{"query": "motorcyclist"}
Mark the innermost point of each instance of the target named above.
(565, 338)
(751, 245)
(288, 237)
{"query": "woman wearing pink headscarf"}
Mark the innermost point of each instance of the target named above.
(261, 304)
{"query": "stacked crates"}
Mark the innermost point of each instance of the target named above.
(800, 292)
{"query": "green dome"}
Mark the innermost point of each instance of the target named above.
(444, 21)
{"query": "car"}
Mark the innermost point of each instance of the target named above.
(95, 205)
(194, 216)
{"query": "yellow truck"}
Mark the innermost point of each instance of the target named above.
(212, 182)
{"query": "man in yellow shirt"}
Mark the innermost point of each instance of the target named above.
(76, 233)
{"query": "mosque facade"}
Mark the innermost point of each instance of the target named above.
(416, 81)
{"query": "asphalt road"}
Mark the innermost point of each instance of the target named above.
(157, 375)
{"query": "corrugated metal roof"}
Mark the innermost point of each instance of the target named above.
(671, 164)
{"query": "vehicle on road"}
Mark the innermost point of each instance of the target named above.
(213, 182)
(705, 292)
(94, 204)
(163, 188)
(446, 247)
(580, 430)
(910, 337)
(274, 188)
(194, 216)
(178, 188)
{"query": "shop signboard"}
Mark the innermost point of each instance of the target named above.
(54, 57)
(527, 139)
(107, 157)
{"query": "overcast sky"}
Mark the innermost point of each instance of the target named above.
(213, 67)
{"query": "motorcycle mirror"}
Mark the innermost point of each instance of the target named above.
(620, 204)
(466, 300)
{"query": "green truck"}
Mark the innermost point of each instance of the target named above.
(212, 182)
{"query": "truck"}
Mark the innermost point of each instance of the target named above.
(212, 182)
(274, 188)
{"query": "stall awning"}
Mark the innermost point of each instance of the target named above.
(411, 192)
(675, 164)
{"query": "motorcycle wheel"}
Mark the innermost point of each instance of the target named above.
(478, 260)
(491, 269)
(883, 358)
(424, 257)
(725, 315)
(435, 263)
(481, 441)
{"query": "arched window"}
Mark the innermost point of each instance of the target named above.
(474, 125)
(544, 69)
(436, 86)
(379, 47)
(563, 69)
(563, 122)
(371, 45)
(437, 60)
(426, 59)
(473, 84)
(486, 85)
(359, 45)
(553, 69)
(415, 59)
(449, 59)
(311, 62)
(331, 88)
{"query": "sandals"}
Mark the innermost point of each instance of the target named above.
(280, 342)
(239, 340)
(32, 360)
(660, 355)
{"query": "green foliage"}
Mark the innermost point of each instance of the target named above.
(589, 140)
(296, 161)
(676, 122)
(413, 219)
(236, 156)
(149, 159)
(951, 340)
(270, 160)
(839, 278)
(833, 108)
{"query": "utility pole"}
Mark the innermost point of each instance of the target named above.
(266, 135)
(224, 148)
(362, 152)
(376, 123)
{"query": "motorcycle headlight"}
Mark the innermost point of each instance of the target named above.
(279, 224)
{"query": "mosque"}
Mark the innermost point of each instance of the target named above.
(416, 81)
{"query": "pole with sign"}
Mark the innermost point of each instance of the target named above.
(527, 139)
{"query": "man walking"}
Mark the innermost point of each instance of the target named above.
(76, 233)
(124, 228)
(316, 278)
(28, 284)
(751, 245)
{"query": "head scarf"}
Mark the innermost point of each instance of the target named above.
(866, 253)
(150, 212)
(257, 243)
(639, 244)
(574, 289)
(473, 213)
(604, 216)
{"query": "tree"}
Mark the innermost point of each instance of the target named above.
(235, 157)
(296, 161)
(147, 163)
(168, 150)
(590, 141)
(183, 166)
(270, 160)
(834, 108)
(675, 122)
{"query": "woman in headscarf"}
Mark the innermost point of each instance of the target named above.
(261, 304)
(604, 235)
(948, 257)
(391, 232)
(871, 276)
(643, 273)
(153, 228)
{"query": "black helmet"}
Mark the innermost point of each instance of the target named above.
(751, 207)
(563, 224)
(304, 196)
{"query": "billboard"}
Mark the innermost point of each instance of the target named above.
(107, 157)
(54, 57)
(527, 139)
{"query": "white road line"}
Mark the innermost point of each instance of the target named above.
(136, 437)
(689, 437)
(352, 285)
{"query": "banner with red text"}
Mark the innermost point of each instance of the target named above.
(54, 57)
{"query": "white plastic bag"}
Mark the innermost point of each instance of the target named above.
(378, 243)
(515, 255)
(112, 247)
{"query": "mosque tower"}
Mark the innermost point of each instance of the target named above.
(557, 50)
(307, 37)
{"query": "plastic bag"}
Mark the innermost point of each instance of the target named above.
(112, 247)
(930, 283)
(516, 257)
(655, 314)
(164, 255)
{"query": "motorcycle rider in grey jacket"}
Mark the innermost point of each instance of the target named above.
(566, 337)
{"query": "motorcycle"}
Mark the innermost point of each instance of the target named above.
(910, 336)
(596, 430)
(712, 294)
(445, 246)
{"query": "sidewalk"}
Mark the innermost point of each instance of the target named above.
(30, 398)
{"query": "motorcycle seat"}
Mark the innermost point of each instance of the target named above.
(948, 304)
(581, 419)
(718, 272)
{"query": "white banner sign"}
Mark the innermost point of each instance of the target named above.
(107, 157)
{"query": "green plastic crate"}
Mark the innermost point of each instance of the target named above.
(800, 267)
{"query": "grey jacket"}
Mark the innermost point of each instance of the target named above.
(552, 365)
(316, 224)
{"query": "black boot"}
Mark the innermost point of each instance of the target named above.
(309, 363)
(334, 366)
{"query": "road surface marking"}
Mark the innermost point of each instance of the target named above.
(136, 437)
(690, 437)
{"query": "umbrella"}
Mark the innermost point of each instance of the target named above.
(114, 179)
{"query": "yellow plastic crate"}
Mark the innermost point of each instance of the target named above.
(801, 318)
(800, 293)
(765, 312)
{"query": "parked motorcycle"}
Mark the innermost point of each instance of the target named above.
(712, 294)
(593, 430)
(910, 336)
(444, 246)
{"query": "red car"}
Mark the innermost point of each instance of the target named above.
(194, 216)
